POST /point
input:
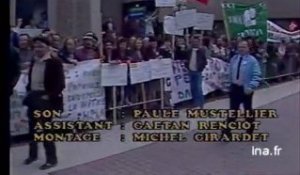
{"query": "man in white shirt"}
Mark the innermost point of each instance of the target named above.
(196, 63)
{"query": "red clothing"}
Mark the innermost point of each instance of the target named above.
(82, 54)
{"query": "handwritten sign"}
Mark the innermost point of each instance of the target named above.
(84, 97)
(204, 21)
(161, 68)
(140, 72)
(114, 74)
(186, 18)
(170, 26)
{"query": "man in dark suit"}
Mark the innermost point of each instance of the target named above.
(45, 86)
(196, 63)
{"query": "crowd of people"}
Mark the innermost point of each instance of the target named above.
(47, 80)
(274, 58)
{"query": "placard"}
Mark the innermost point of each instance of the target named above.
(186, 18)
(205, 21)
(170, 26)
(114, 74)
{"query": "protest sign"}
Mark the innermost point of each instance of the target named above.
(215, 76)
(165, 3)
(277, 33)
(139, 72)
(114, 74)
(161, 68)
(170, 26)
(84, 98)
(180, 83)
(31, 32)
(242, 20)
(186, 18)
(204, 21)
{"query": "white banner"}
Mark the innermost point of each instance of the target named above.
(170, 26)
(215, 76)
(30, 32)
(161, 68)
(165, 3)
(205, 21)
(140, 72)
(84, 98)
(114, 74)
(180, 83)
(186, 18)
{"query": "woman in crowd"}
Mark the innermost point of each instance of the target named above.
(108, 51)
(137, 55)
(166, 50)
(122, 52)
(151, 52)
(262, 56)
(181, 50)
(281, 55)
(218, 50)
(25, 50)
(66, 54)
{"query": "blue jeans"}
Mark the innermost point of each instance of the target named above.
(196, 88)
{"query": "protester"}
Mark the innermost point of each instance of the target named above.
(56, 41)
(151, 52)
(245, 77)
(14, 69)
(88, 50)
(196, 63)
(261, 57)
(66, 54)
(109, 26)
(218, 50)
(137, 55)
(46, 82)
(122, 52)
(166, 50)
(108, 51)
(181, 50)
(25, 50)
(281, 54)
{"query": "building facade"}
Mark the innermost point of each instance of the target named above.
(73, 17)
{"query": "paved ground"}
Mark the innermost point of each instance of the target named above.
(79, 153)
(211, 158)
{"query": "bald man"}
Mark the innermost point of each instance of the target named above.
(245, 77)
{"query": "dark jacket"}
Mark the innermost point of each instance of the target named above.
(13, 69)
(54, 81)
(201, 59)
(165, 53)
(180, 54)
(116, 55)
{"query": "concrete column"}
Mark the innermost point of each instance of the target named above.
(12, 16)
(75, 17)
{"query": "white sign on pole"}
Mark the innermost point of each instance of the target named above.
(161, 68)
(140, 72)
(114, 74)
(170, 26)
(204, 21)
(165, 3)
(186, 18)
(84, 98)
(30, 32)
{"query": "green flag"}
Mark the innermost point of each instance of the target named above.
(242, 20)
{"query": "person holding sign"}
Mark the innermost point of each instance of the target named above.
(196, 64)
(245, 77)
